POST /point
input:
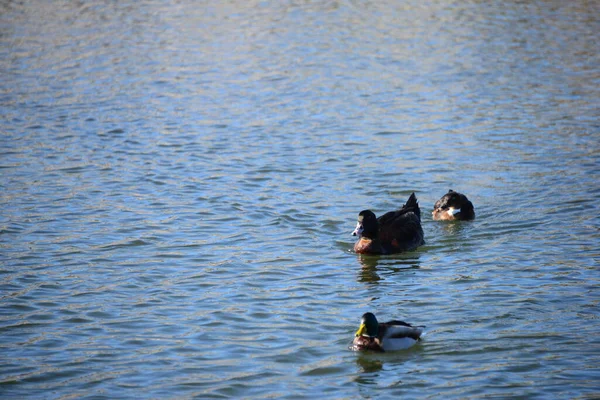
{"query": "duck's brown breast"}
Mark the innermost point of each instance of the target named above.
(363, 246)
(366, 343)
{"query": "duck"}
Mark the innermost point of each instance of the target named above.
(453, 206)
(393, 232)
(386, 336)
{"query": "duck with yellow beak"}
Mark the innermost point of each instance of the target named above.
(385, 336)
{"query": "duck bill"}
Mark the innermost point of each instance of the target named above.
(358, 230)
(361, 330)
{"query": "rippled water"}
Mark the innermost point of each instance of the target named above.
(179, 183)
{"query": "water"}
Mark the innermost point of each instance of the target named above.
(179, 184)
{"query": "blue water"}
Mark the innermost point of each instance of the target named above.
(179, 183)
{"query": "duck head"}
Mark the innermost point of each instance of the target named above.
(367, 225)
(368, 325)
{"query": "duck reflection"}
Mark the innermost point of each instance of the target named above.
(453, 227)
(368, 271)
(373, 266)
(368, 368)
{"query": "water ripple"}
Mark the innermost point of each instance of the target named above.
(179, 184)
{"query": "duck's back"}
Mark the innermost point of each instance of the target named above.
(401, 230)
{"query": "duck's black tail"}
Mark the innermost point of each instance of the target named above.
(412, 205)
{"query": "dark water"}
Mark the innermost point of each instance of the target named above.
(179, 183)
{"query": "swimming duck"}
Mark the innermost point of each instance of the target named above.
(453, 206)
(386, 336)
(393, 232)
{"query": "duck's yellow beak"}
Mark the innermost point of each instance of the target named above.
(361, 330)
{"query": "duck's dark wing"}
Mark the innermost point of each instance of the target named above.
(399, 330)
(392, 217)
(411, 206)
(467, 211)
(396, 322)
(400, 231)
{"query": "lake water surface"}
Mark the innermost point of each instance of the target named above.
(179, 181)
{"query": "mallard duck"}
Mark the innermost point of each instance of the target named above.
(453, 206)
(386, 336)
(393, 232)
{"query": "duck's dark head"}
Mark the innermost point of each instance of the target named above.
(368, 325)
(367, 225)
(452, 206)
